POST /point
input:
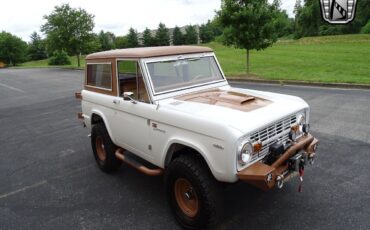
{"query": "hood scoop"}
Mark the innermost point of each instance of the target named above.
(234, 98)
(225, 98)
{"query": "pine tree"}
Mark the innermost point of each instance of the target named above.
(162, 36)
(36, 47)
(206, 32)
(191, 35)
(177, 36)
(147, 39)
(132, 39)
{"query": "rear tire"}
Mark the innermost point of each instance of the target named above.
(104, 149)
(193, 193)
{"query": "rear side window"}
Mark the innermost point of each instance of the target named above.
(99, 75)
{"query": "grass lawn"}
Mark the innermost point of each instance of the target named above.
(344, 58)
(333, 59)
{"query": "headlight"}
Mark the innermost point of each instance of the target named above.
(299, 128)
(301, 119)
(245, 152)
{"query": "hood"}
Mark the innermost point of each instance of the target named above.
(241, 109)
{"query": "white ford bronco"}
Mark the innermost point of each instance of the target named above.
(170, 110)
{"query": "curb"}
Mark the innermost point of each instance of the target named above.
(45, 67)
(301, 83)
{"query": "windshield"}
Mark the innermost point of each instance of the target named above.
(183, 73)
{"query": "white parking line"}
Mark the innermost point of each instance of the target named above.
(23, 189)
(11, 87)
(71, 172)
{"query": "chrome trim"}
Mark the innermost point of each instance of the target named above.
(140, 63)
(175, 57)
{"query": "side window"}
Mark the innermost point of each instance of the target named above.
(99, 75)
(131, 80)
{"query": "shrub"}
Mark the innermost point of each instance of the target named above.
(366, 28)
(59, 57)
(325, 30)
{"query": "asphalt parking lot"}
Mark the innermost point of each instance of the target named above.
(49, 180)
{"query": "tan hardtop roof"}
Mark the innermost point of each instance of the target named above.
(145, 52)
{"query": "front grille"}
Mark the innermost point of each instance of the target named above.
(269, 135)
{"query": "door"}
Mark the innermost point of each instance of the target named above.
(131, 126)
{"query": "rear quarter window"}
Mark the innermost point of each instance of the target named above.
(99, 76)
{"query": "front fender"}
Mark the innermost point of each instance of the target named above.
(219, 161)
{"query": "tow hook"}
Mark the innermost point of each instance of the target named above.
(311, 158)
(280, 181)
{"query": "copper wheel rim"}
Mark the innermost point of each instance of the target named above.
(100, 150)
(186, 197)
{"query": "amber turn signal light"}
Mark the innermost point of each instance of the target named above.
(295, 128)
(257, 147)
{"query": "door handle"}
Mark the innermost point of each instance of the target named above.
(115, 101)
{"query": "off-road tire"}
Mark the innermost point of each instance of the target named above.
(193, 169)
(102, 144)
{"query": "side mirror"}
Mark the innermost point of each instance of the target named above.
(127, 96)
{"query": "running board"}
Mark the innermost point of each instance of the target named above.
(137, 165)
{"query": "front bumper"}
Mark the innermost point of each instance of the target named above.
(266, 176)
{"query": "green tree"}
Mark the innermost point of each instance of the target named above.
(132, 38)
(37, 47)
(366, 28)
(94, 45)
(206, 32)
(177, 36)
(282, 23)
(248, 24)
(308, 19)
(162, 35)
(216, 26)
(69, 29)
(191, 35)
(121, 42)
(147, 39)
(13, 50)
(106, 40)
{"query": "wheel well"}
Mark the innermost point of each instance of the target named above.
(96, 119)
(177, 150)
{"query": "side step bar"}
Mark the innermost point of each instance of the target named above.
(137, 165)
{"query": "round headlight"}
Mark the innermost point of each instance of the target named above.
(245, 153)
(301, 119)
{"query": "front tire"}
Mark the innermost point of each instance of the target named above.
(104, 149)
(193, 193)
